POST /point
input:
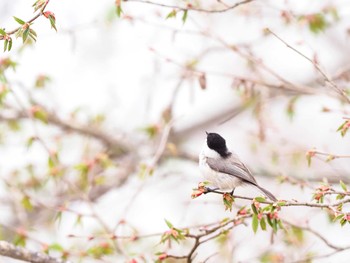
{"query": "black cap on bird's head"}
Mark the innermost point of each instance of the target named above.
(217, 143)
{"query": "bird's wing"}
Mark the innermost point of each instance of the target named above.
(232, 166)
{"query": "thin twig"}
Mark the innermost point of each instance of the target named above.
(288, 203)
(327, 79)
(28, 22)
(192, 8)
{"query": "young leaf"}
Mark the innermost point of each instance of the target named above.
(274, 225)
(53, 22)
(170, 225)
(2, 32)
(260, 199)
(26, 203)
(38, 4)
(25, 34)
(309, 155)
(254, 209)
(343, 128)
(56, 247)
(10, 45)
(184, 16)
(269, 221)
(119, 10)
(32, 34)
(255, 223)
(228, 201)
(263, 223)
(291, 107)
(343, 186)
(317, 23)
(338, 217)
(171, 14)
(5, 44)
(19, 21)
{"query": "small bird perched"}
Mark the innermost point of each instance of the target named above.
(223, 169)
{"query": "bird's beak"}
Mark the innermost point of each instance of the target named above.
(207, 132)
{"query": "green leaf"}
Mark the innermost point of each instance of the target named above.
(338, 217)
(274, 225)
(30, 141)
(32, 32)
(170, 225)
(260, 199)
(255, 223)
(342, 221)
(119, 10)
(25, 34)
(53, 22)
(58, 217)
(228, 201)
(343, 128)
(263, 223)
(50, 162)
(269, 220)
(20, 240)
(2, 32)
(56, 247)
(26, 203)
(340, 197)
(317, 23)
(184, 16)
(281, 203)
(5, 44)
(171, 14)
(291, 107)
(38, 4)
(10, 45)
(343, 186)
(19, 21)
(41, 115)
(14, 125)
(254, 209)
(309, 156)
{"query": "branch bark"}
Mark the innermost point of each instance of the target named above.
(9, 250)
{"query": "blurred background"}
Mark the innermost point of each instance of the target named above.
(102, 123)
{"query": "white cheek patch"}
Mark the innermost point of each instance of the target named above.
(209, 152)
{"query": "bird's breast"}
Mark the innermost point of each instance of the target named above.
(221, 180)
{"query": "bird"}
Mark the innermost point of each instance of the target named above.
(223, 169)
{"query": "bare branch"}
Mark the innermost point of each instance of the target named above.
(317, 67)
(189, 7)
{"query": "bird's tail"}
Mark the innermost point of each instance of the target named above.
(267, 193)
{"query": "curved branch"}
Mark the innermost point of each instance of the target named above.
(9, 250)
(27, 22)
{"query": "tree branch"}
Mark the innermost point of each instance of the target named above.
(189, 7)
(287, 203)
(28, 22)
(11, 251)
(327, 79)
